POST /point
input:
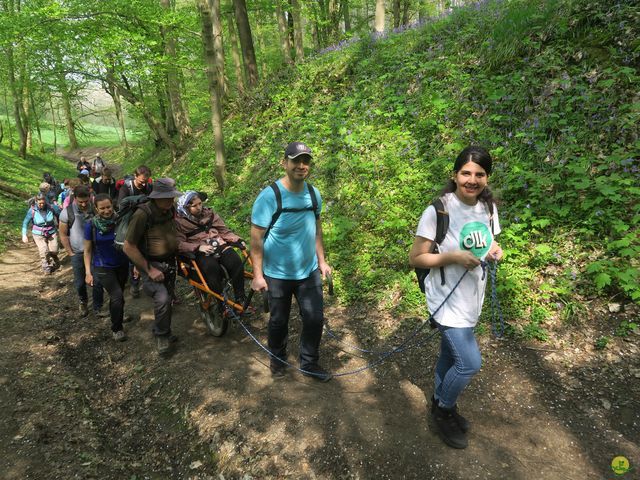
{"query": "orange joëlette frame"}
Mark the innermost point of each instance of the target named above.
(203, 286)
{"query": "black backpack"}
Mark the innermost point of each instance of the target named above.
(279, 209)
(442, 226)
(127, 207)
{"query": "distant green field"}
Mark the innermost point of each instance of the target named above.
(92, 135)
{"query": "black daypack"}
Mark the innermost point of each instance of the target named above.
(442, 226)
(127, 207)
(279, 209)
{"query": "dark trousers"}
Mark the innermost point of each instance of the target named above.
(308, 293)
(113, 280)
(210, 266)
(161, 293)
(79, 273)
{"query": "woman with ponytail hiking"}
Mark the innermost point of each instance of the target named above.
(43, 217)
(468, 243)
(111, 266)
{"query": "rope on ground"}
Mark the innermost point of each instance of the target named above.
(407, 344)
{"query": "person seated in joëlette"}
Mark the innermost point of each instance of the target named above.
(202, 232)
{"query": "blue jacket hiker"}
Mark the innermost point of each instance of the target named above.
(43, 218)
(104, 262)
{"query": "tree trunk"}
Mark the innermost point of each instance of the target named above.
(405, 11)
(235, 54)
(218, 46)
(284, 33)
(6, 111)
(179, 113)
(36, 121)
(379, 21)
(26, 109)
(347, 15)
(16, 93)
(154, 124)
(422, 11)
(246, 42)
(112, 89)
(53, 123)
(261, 48)
(208, 9)
(298, 33)
(66, 107)
(396, 13)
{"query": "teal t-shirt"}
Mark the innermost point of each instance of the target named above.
(290, 247)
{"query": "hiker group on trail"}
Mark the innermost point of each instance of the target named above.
(133, 229)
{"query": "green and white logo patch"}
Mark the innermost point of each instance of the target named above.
(476, 238)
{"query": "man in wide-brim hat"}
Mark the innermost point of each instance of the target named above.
(151, 244)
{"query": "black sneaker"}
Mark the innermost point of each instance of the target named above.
(317, 373)
(278, 369)
(462, 422)
(448, 428)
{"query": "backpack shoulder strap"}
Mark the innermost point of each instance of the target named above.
(71, 217)
(278, 212)
(490, 211)
(442, 226)
(442, 221)
(314, 200)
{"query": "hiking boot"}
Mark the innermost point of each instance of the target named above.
(119, 336)
(462, 422)
(173, 338)
(135, 291)
(102, 313)
(448, 428)
(317, 373)
(83, 310)
(278, 369)
(163, 344)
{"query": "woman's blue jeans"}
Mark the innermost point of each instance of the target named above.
(459, 361)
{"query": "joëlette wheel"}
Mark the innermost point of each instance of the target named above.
(215, 322)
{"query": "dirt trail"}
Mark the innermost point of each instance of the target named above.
(78, 405)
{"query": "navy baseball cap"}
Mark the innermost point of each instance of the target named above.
(295, 149)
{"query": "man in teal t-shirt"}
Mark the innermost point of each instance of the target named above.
(288, 260)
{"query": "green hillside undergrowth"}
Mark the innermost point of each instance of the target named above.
(24, 176)
(550, 87)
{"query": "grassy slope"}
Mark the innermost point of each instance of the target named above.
(549, 86)
(24, 175)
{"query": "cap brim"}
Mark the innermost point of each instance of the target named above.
(291, 157)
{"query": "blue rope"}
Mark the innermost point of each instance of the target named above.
(411, 335)
(406, 344)
(496, 310)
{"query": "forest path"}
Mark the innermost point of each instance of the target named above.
(78, 405)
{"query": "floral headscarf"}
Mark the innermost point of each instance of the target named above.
(183, 204)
